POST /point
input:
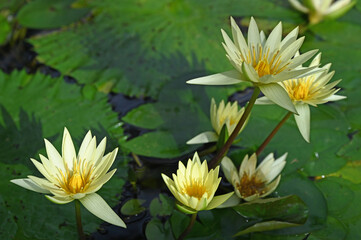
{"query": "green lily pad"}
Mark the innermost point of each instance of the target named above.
(43, 14)
(174, 38)
(43, 106)
(133, 207)
(285, 209)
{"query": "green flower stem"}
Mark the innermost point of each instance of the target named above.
(189, 228)
(273, 133)
(78, 220)
(218, 158)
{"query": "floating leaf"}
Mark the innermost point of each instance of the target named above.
(287, 209)
(161, 207)
(44, 14)
(133, 207)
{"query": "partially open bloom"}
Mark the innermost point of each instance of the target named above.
(318, 10)
(70, 176)
(225, 115)
(194, 186)
(251, 183)
(311, 90)
(262, 61)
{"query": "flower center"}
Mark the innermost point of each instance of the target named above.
(195, 189)
(76, 180)
(250, 186)
(261, 63)
(299, 89)
(76, 183)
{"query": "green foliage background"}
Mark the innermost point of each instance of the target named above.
(148, 49)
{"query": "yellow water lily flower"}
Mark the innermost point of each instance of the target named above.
(311, 90)
(194, 186)
(75, 177)
(251, 183)
(318, 10)
(262, 61)
(225, 114)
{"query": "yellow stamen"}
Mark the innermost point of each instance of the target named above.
(195, 189)
(250, 186)
(261, 63)
(76, 180)
(299, 89)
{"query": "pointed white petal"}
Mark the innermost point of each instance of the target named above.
(58, 199)
(218, 200)
(271, 187)
(204, 137)
(30, 185)
(234, 200)
(84, 145)
(303, 120)
(68, 150)
(334, 98)
(278, 95)
(53, 155)
(274, 39)
(97, 206)
(263, 101)
(254, 39)
(290, 38)
(228, 168)
(297, 5)
(225, 78)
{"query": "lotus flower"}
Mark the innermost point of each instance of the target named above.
(318, 10)
(311, 90)
(262, 61)
(251, 183)
(75, 177)
(194, 186)
(224, 115)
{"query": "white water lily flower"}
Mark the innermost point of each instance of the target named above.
(194, 186)
(318, 10)
(262, 61)
(70, 176)
(311, 90)
(225, 114)
(251, 183)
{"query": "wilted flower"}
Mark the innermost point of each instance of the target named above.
(70, 176)
(311, 90)
(318, 10)
(264, 62)
(227, 115)
(194, 186)
(251, 183)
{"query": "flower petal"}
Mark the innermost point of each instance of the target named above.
(30, 185)
(68, 150)
(225, 78)
(54, 156)
(84, 145)
(234, 200)
(185, 209)
(278, 95)
(218, 200)
(263, 101)
(228, 168)
(59, 200)
(303, 120)
(204, 137)
(97, 206)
